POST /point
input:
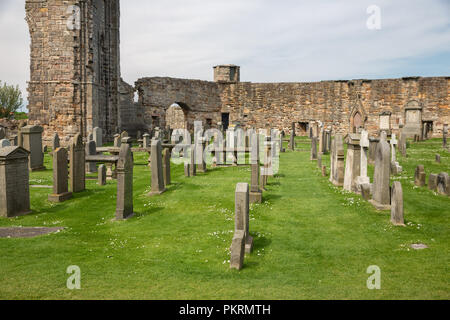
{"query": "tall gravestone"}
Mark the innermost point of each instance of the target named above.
(14, 182)
(32, 141)
(242, 215)
(77, 164)
(364, 144)
(413, 120)
(255, 192)
(397, 204)
(321, 140)
(157, 169)
(124, 204)
(314, 148)
(102, 175)
(338, 165)
(98, 136)
(91, 150)
(352, 165)
(373, 144)
(146, 140)
(381, 178)
(166, 166)
(60, 177)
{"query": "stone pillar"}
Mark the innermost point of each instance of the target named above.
(32, 141)
(60, 177)
(98, 136)
(419, 176)
(314, 148)
(364, 144)
(91, 150)
(102, 175)
(157, 169)
(166, 166)
(381, 178)
(124, 204)
(352, 165)
(255, 191)
(77, 164)
(242, 216)
(397, 204)
(14, 182)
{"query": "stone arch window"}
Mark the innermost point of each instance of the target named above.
(357, 119)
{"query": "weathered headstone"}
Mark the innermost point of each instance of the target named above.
(397, 204)
(438, 158)
(364, 144)
(5, 143)
(443, 184)
(373, 144)
(365, 191)
(381, 178)
(98, 136)
(242, 217)
(419, 176)
(102, 175)
(337, 164)
(432, 181)
(255, 192)
(314, 148)
(146, 140)
(353, 161)
(166, 166)
(91, 150)
(237, 250)
(32, 141)
(14, 182)
(124, 204)
(321, 140)
(60, 177)
(158, 186)
(77, 165)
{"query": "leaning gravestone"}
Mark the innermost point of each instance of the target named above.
(397, 204)
(419, 176)
(5, 143)
(32, 141)
(91, 150)
(166, 166)
(77, 164)
(353, 161)
(242, 217)
(157, 169)
(102, 175)
(14, 182)
(381, 178)
(443, 184)
(124, 204)
(237, 250)
(255, 192)
(60, 177)
(98, 136)
(432, 181)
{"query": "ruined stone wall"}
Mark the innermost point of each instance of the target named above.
(334, 103)
(74, 72)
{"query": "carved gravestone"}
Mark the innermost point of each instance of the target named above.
(381, 178)
(14, 182)
(187, 170)
(77, 171)
(443, 184)
(314, 148)
(353, 161)
(166, 166)
(91, 150)
(5, 143)
(60, 177)
(255, 192)
(419, 176)
(124, 204)
(32, 141)
(397, 204)
(242, 217)
(158, 186)
(98, 136)
(237, 250)
(102, 175)
(432, 181)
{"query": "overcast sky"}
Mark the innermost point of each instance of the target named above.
(272, 41)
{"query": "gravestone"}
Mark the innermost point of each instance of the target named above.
(432, 181)
(242, 217)
(353, 161)
(55, 142)
(90, 137)
(266, 169)
(365, 191)
(98, 136)
(60, 177)
(158, 186)
(14, 182)
(314, 148)
(14, 141)
(443, 184)
(419, 176)
(338, 167)
(413, 120)
(328, 141)
(124, 204)
(5, 143)
(402, 145)
(373, 144)
(324, 171)
(385, 122)
(166, 166)
(32, 141)
(395, 166)
(292, 138)
(321, 140)
(102, 175)
(255, 192)
(319, 161)
(397, 204)
(199, 154)
(381, 178)
(192, 166)
(77, 171)
(91, 150)
(117, 141)
(438, 158)
(146, 140)
(237, 250)
(364, 144)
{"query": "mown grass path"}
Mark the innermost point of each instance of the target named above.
(312, 240)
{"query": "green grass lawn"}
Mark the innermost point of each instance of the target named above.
(312, 240)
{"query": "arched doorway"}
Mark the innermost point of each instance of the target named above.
(175, 117)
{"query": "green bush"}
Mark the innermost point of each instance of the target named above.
(10, 100)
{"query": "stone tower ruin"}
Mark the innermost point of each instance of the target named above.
(75, 65)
